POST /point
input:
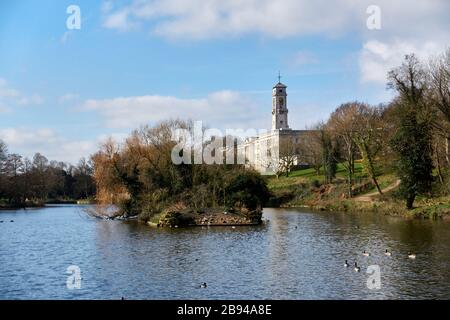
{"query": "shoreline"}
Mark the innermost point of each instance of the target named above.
(45, 204)
(212, 217)
(438, 211)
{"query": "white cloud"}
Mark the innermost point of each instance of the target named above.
(10, 96)
(107, 6)
(406, 26)
(199, 19)
(6, 91)
(222, 109)
(31, 100)
(21, 137)
(378, 57)
(119, 20)
(27, 142)
(68, 97)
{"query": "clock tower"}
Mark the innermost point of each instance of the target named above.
(279, 107)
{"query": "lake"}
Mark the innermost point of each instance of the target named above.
(295, 254)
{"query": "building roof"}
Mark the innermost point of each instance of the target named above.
(280, 85)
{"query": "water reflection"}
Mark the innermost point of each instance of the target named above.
(295, 255)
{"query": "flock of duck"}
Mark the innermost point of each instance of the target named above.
(367, 254)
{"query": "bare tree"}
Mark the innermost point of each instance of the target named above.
(311, 149)
(3, 154)
(342, 125)
(369, 129)
(439, 95)
(288, 154)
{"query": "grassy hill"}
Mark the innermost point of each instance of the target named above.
(305, 188)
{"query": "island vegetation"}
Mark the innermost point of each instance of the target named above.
(140, 179)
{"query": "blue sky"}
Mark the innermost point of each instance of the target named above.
(137, 62)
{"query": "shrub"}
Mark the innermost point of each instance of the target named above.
(247, 190)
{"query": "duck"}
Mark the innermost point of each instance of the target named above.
(411, 255)
(11, 221)
(388, 253)
(346, 264)
(203, 285)
(357, 269)
(366, 254)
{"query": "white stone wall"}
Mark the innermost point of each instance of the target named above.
(255, 148)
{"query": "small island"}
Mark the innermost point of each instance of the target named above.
(176, 217)
(142, 181)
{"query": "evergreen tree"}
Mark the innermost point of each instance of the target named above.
(412, 140)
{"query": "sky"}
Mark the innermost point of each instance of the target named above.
(131, 63)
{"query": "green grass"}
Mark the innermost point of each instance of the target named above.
(341, 172)
(308, 176)
(384, 181)
(297, 190)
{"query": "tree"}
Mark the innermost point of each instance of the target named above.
(39, 177)
(330, 156)
(3, 155)
(412, 140)
(311, 148)
(368, 137)
(247, 190)
(140, 178)
(439, 95)
(342, 125)
(285, 157)
(14, 168)
(82, 175)
(3, 151)
(288, 154)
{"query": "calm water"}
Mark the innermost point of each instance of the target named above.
(295, 255)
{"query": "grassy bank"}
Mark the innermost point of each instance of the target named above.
(305, 188)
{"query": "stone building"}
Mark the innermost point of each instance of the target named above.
(267, 151)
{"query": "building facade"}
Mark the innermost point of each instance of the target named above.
(268, 151)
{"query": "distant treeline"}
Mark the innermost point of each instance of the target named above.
(25, 182)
